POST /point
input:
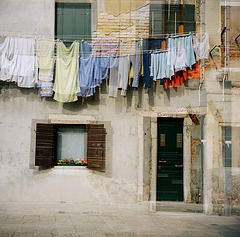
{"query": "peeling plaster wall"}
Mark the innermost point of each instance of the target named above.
(19, 107)
(196, 174)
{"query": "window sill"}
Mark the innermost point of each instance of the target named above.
(70, 167)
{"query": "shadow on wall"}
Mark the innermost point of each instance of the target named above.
(2, 84)
(156, 95)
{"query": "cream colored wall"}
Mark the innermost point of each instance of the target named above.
(127, 181)
(27, 18)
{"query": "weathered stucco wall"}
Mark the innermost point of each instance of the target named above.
(130, 118)
(20, 183)
(27, 18)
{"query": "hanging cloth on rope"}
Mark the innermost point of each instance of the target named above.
(66, 83)
(45, 57)
(201, 46)
(18, 62)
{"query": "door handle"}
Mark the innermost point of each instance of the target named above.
(179, 166)
(162, 161)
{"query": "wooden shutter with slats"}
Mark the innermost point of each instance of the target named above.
(45, 145)
(96, 146)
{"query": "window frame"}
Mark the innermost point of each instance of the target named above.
(107, 147)
(180, 19)
(94, 12)
(61, 126)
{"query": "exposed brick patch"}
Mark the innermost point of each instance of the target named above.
(194, 144)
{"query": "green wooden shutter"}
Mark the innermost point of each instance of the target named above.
(45, 145)
(96, 146)
(73, 21)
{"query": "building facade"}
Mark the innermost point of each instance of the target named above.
(154, 144)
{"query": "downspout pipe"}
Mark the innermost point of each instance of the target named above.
(202, 102)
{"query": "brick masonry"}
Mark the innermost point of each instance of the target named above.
(194, 144)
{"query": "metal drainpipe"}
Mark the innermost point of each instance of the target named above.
(203, 143)
(228, 128)
(203, 140)
(202, 60)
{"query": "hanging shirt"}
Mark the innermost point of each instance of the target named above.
(171, 59)
(181, 59)
(123, 71)
(87, 82)
(159, 67)
(45, 57)
(201, 46)
(154, 67)
(27, 64)
(101, 68)
(189, 51)
(66, 83)
(113, 77)
(18, 62)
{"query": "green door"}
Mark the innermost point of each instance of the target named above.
(170, 160)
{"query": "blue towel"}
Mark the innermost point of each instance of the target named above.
(87, 82)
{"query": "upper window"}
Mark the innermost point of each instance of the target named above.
(61, 143)
(73, 21)
(166, 18)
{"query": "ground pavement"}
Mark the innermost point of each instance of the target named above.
(75, 219)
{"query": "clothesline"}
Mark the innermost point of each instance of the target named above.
(103, 46)
(76, 76)
(82, 37)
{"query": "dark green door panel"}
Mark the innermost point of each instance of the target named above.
(170, 160)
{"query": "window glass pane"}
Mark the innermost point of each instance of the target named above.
(179, 140)
(162, 139)
(71, 142)
(165, 18)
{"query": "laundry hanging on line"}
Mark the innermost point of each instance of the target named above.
(104, 60)
(18, 62)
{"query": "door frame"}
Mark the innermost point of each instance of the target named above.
(187, 122)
